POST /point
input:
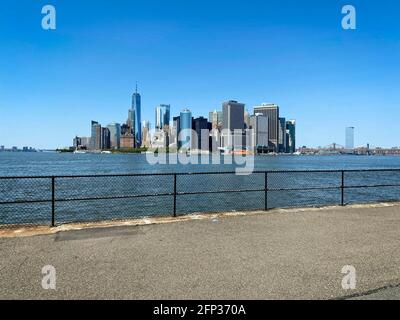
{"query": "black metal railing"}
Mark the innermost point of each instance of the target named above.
(57, 200)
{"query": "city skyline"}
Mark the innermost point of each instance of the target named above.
(325, 77)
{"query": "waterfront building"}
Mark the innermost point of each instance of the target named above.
(95, 140)
(146, 139)
(291, 136)
(115, 135)
(185, 129)
(282, 148)
(233, 120)
(259, 132)
(216, 119)
(105, 139)
(246, 120)
(201, 127)
(175, 131)
(127, 141)
(271, 111)
(163, 112)
(137, 127)
(349, 138)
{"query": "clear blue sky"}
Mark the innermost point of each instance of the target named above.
(196, 54)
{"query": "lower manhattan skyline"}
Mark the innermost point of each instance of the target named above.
(194, 56)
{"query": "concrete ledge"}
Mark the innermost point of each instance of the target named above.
(27, 231)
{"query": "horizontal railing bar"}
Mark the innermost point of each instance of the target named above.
(24, 201)
(221, 191)
(305, 189)
(373, 186)
(115, 198)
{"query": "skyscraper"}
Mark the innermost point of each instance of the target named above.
(167, 114)
(200, 126)
(259, 126)
(185, 129)
(271, 111)
(105, 138)
(233, 120)
(291, 136)
(350, 138)
(282, 135)
(115, 135)
(163, 112)
(146, 133)
(95, 139)
(136, 107)
(215, 117)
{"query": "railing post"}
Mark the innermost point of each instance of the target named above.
(266, 191)
(174, 195)
(53, 201)
(342, 188)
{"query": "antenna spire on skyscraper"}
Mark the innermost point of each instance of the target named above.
(136, 87)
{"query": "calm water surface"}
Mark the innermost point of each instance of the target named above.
(14, 164)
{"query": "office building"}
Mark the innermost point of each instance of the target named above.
(185, 129)
(233, 120)
(271, 111)
(127, 141)
(163, 112)
(201, 127)
(115, 135)
(216, 119)
(105, 139)
(246, 120)
(291, 136)
(349, 138)
(95, 139)
(282, 136)
(146, 138)
(137, 128)
(259, 132)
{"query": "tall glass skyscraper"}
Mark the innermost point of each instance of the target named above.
(115, 135)
(136, 107)
(271, 111)
(163, 112)
(185, 129)
(350, 138)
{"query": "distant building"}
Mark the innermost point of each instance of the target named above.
(163, 112)
(175, 131)
(216, 119)
(202, 128)
(271, 111)
(349, 138)
(146, 139)
(282, 136)
(127, 141)
(233, 120)
(247, 123)
(137, 128)
(105, 139)
(115, 135)
(185, 129)
(291, 136)
(259, 127)
(131, 121)
(95, 140)
(2, 148)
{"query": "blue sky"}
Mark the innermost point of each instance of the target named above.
(196, 54)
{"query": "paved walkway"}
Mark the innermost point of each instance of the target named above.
(283, 254)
